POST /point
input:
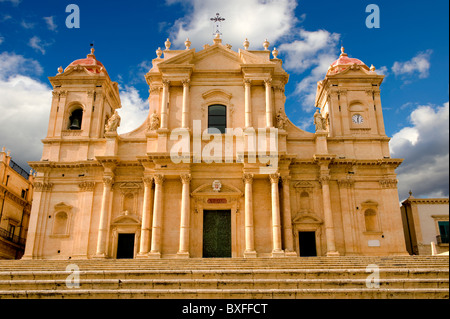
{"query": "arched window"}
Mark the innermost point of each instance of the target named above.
(217, 118)
(75, 119)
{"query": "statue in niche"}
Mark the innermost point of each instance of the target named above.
(113, 123)
(154, 122)
(281, 121)
(319, 121)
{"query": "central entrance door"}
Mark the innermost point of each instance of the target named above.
(216, 233)
(125, 246)
(307, 243)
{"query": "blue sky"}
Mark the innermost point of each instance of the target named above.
(411, 48)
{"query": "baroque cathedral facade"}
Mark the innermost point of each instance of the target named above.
(216, 169)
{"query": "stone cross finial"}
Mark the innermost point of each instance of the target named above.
(217, 21)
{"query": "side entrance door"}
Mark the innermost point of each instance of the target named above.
(125, 246)
(307, 243)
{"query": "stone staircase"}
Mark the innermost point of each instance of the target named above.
(220, 278)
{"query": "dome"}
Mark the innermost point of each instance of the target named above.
(90, 63)
(343, 62)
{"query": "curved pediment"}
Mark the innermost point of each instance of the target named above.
(217, 94)
(307, 218)
(207, 189)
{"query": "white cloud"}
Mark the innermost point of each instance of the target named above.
(315, 51)
(25, 106)
(14, 2)
(12, 64)
(134, 110)
(27, 25)
(2, 39)
(425, 148)
(382, 71)
(37, 44)
(51, 25)
(307, 51)
(418, 65)
(252, 19)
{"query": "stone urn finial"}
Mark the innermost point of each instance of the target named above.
(266, 45)
(246, 44)
(167, 44)
(275, 53)
(158, 52)
(187, 43)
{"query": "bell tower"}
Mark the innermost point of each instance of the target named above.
(84, 98)
(349, 98)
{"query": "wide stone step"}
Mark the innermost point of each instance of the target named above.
(51, 284)
(353, 293)
(228, 274)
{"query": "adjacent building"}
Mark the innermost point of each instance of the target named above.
(425, 221)
(216, 169)
(16, 193)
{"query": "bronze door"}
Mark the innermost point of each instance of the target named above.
(216, 233)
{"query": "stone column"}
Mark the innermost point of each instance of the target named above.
(328, 216)
(287, 218)
(269, 112)
(164, 104)
(104, 214)
(83, 229)
(38, 217)
(144, 246)
(185, 216)
(185, 110)
(248, 102)
(378, 112)
(157, 217)
(276, 223)
(249, 229)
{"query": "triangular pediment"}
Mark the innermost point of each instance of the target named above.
(185, 57)
(126, 219)
(217, 57)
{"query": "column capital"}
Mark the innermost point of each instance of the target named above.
(286, 178)
(346, 183)
(248, 178)
(108, 181)
(86, 186)
(274, 178)
(186, 82)
(247, 82)
(324, 179)
(148, 180)
(166, 83)
(186, 178)
(159, 179)
(268, 82)
(42, 186)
